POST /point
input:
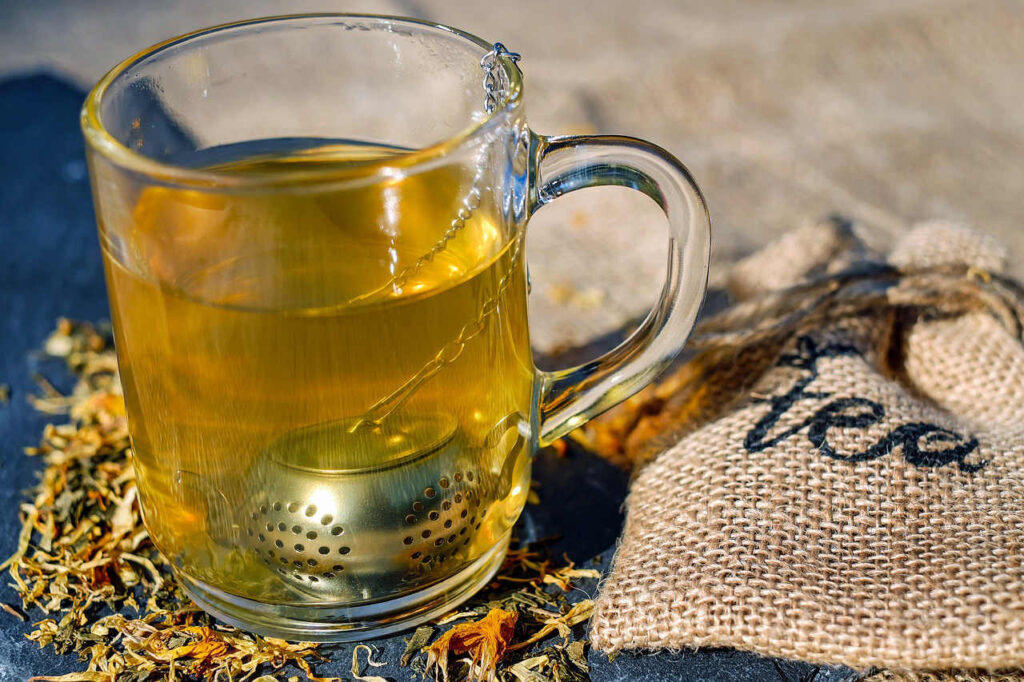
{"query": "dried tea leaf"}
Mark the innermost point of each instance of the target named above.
(419, 639)
(566, 668)
(577, 653)
(369, 661)
(563, 623)
(524, 670)
(485, 640)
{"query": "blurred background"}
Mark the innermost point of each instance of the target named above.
(888, 111)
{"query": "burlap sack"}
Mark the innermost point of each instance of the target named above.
(837, 476)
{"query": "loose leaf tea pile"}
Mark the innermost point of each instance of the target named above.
(85, 560)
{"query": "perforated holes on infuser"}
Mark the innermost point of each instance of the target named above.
(458, 498)
(446, 505)
(407, 541)
(433, 516)
(416, 555)
(438, 542)
(296, 529)
(469, 475)
(277, 506)
(430, 492)
(458, 477)
(451, 538)
(311, 562)
(314, 579)
(299, 548)
(410, 519)
(425, 534)
(444, 482)
(279, 544)
(311, 535)
(281, 527)
(311, 510)
(417, 506)
(344, 550)
(263, 509)
(326, 520)
(255, 515)
(337, 568)
(261, 537)
(337, 530)
(249, 531)
(329, 575)
(448, 523)
(270, 527)
(293, 507)
(324, 550)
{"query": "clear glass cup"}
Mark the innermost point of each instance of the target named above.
(313, 232)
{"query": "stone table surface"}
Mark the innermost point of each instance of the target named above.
(889, 111)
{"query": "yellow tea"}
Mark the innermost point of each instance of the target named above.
(303, 376)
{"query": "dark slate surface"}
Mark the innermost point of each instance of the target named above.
(50, 267)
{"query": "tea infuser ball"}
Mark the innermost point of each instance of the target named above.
(331, 508)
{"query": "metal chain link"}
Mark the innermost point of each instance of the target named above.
(452, 350)
(492, 80)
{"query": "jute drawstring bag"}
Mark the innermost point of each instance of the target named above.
(836, 477)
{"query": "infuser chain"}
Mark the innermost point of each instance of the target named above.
(492, 82)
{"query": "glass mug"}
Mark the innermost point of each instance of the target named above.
(313, 232)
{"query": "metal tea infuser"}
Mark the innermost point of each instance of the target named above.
(327, 530)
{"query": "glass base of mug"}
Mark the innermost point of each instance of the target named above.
(327, 623)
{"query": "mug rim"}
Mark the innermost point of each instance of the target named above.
(101, 140)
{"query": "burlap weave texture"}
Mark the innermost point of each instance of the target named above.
(849, 490)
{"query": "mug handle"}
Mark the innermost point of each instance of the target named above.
(570, 397)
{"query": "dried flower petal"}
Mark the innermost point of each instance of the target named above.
(369, 661)
(486, 641)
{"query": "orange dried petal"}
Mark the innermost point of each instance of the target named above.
(485, 640)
